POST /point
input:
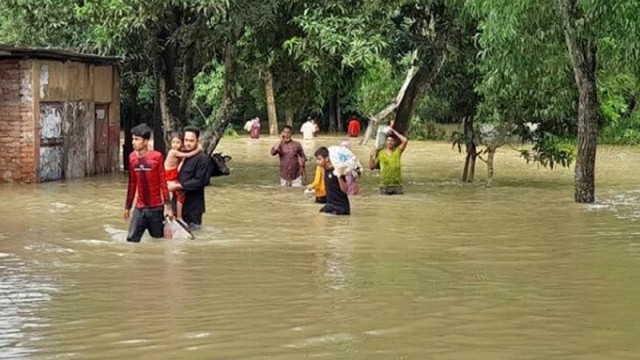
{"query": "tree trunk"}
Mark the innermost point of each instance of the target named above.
(289, 116)
(157, 126)
(431, 63)
(490, 156)
(423, 78)
(465, 170)
(271, 103)
(168, 122)
(332, 116)
(469, 170)
(130, 117)
(582, 51)
(165, 66)
(374, 120)
(472, 165)
(470, 146)
(187, 87)
(339, 115)
(228, 107)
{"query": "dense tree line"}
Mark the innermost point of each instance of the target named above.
(497, 67)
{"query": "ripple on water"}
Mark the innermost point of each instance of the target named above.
(449, 270)
(323, 340)
(22, 294)
(626, 205)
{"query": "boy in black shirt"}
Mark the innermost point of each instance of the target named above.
(335, 183)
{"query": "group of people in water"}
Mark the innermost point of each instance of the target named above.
(177, 183)
(309, 128)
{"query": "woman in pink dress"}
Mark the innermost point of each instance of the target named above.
(352, 183)
(255, 128)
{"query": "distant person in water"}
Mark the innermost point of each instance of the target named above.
(172, 164)
(309, 129)
(335, 184)
(254, 132)
(353, 127)
(147, 180)
(253, 127)
(388, 160)
(292, 159)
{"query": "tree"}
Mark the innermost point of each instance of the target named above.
(529, 51)
(583, 48)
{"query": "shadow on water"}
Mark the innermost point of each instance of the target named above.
(447, 271)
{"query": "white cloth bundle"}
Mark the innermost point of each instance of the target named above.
(381, 136)
(342, 158)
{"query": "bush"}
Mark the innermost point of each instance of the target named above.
(619, 136)
(231, 132)
(425, 130)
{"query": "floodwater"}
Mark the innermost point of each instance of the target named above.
(447, 271)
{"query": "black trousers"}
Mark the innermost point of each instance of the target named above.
(335, 210)
(391, 190)
(151, 219)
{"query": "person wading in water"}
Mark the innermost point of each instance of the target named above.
(193, 178)
(147, 179)
(388, 159)
(172, 164)
(292, 159)
(335, 184)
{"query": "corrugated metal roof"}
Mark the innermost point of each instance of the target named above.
(9, 52)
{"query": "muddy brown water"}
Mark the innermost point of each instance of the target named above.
(447, 271)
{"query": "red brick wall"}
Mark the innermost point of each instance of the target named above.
(17, 152)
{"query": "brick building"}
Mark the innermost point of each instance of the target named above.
(59, 115)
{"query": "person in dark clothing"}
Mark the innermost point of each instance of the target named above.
(335, 183)
(147, 179)
(194, 176)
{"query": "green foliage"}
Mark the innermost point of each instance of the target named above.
(426, 130)
(526, 74)
(231, 132)
(44, 23)
(208, 86)
(506, 61)
(620, 136)
(378, 86)
(351, 38)
(146, 92)
(549, 151)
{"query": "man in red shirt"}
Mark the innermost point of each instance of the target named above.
(353, 127)
(146, 177)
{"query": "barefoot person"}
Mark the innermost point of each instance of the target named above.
(335, 184)
(147, 179)
(172, 164)
(292, 159)
(388, 159)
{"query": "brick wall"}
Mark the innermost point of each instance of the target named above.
(28, 130)
(17, 152)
